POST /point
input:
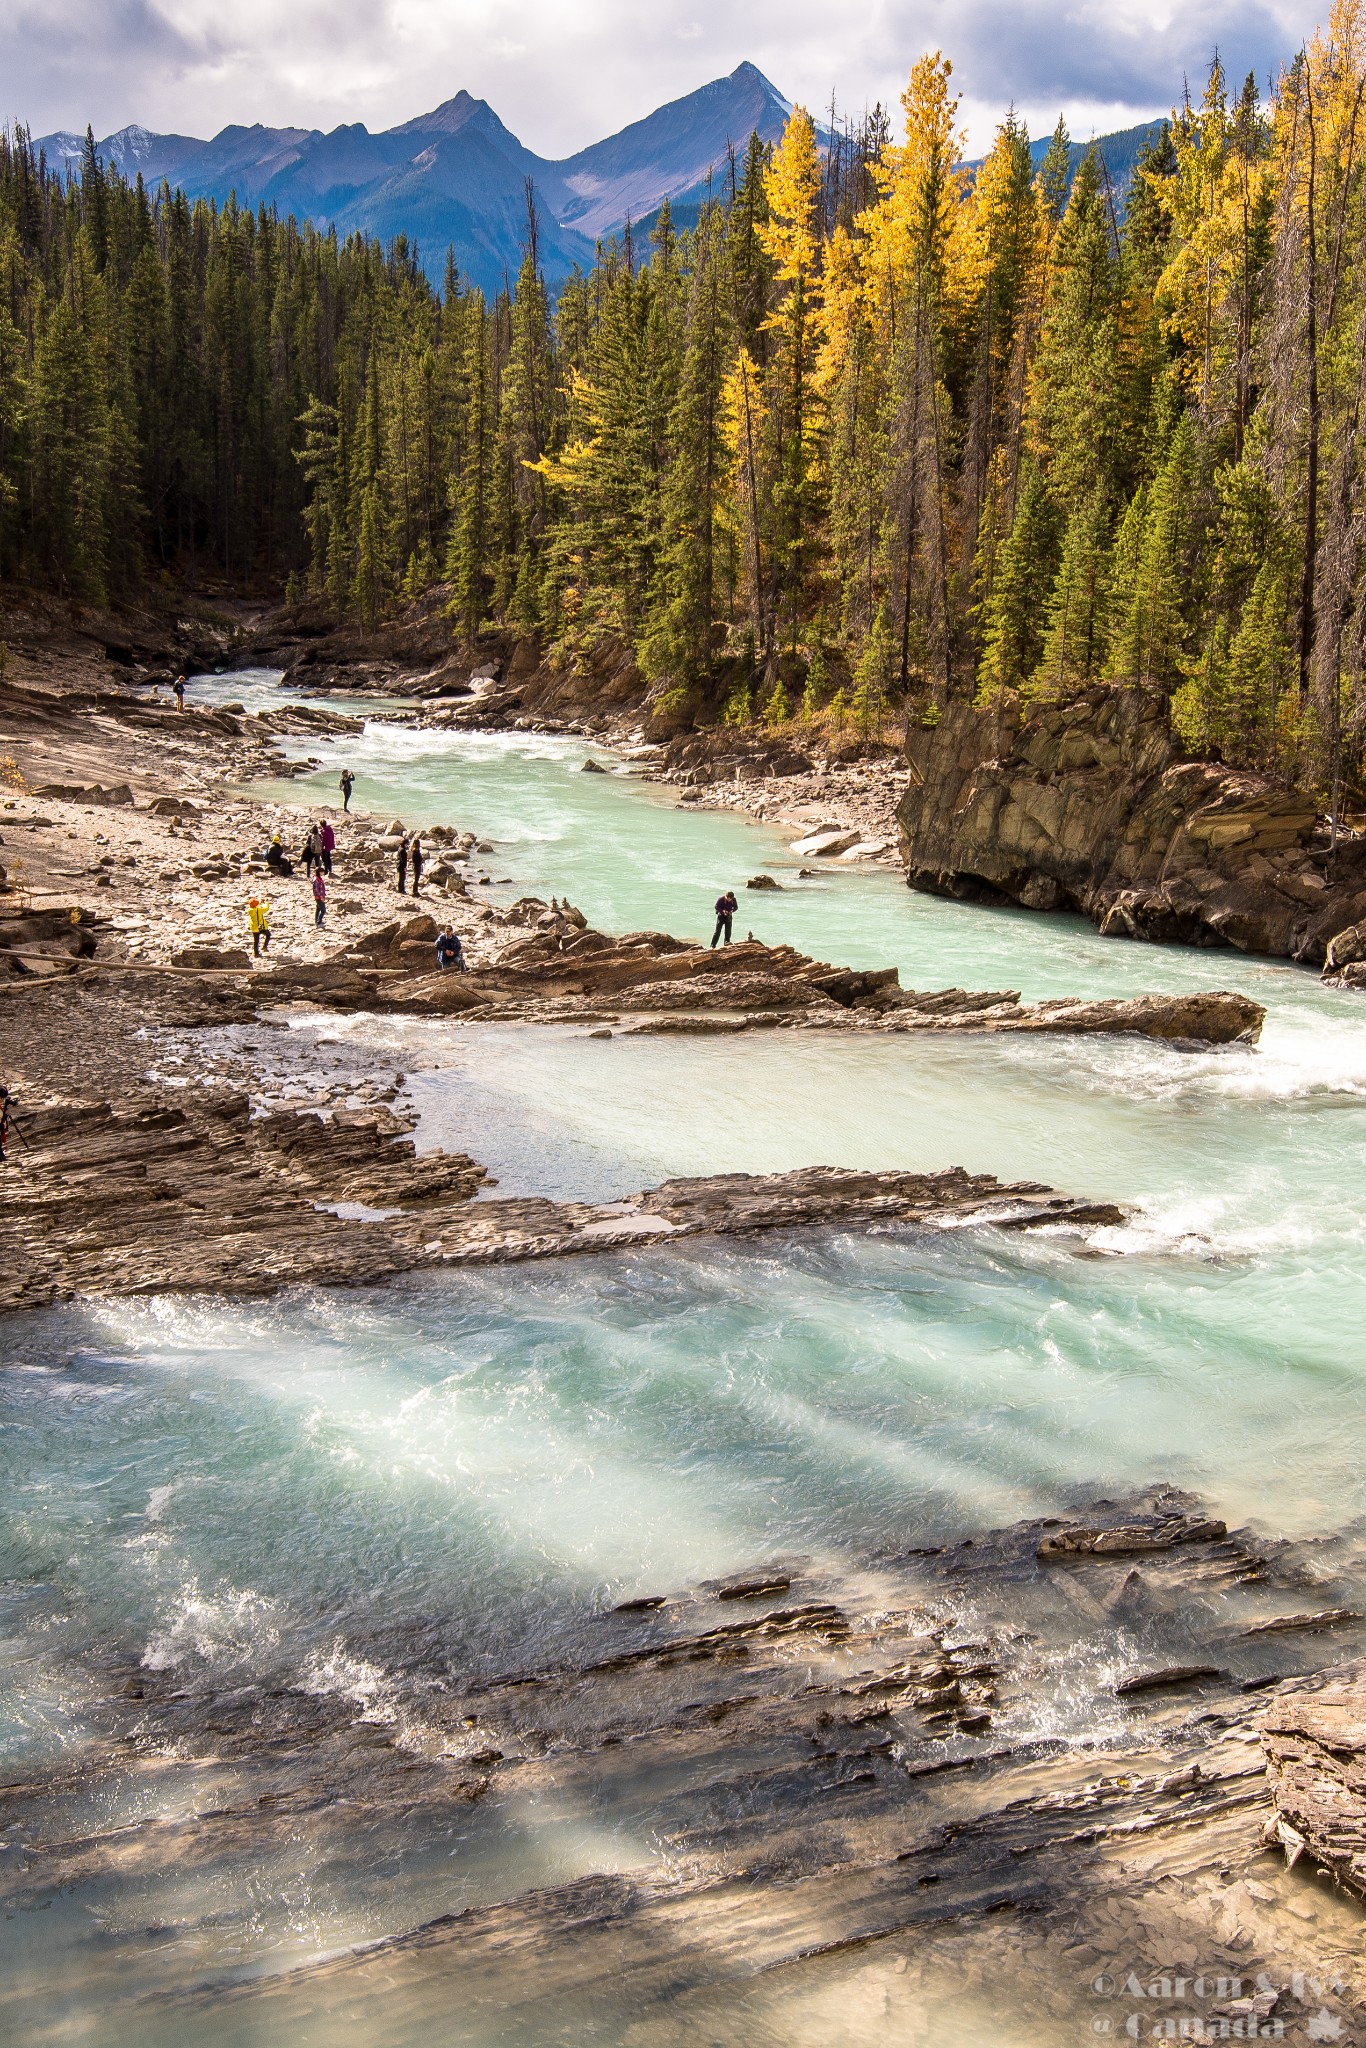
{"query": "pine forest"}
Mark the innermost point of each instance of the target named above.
(874, 430)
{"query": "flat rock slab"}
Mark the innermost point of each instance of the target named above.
(248, 1204)
(1130, 1539)
(1167, 1676)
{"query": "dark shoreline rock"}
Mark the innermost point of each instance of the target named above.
(1092, 807)
(198, 1195)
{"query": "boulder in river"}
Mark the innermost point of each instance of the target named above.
(1207, 1017)
(822, 845)
(1165, 1676)
(1130, 1539)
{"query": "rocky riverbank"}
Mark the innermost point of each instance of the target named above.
(128, 860)
(1039, 1757)
(1090, 806)
(194, 1192)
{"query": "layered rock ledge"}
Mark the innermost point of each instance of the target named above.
(853, 1777)
(1092, 807)
(200, 1194)
(1315, 1745)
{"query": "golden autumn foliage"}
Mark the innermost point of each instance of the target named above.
(869, 415)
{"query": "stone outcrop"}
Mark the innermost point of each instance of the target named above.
(1091, 807)
(200, 1194)
(1315, 1745)
(1344, 965)
(1156, 1532)
(563, 969)
(46, 941)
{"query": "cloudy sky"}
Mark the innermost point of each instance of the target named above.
(564, 72)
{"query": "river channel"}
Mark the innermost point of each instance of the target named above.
(270, 1493)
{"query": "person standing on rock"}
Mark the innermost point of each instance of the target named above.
(312, 851)
(415, 856)
(258, 924)
(327, 843)
(401, 863)
(726, 906)
(319, 899)
(179, 687)
(346, 782)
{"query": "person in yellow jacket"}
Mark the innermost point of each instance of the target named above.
(258, 923)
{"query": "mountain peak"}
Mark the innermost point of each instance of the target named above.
(457, 174)
(451, 116)
(746, 73)
(670, 154)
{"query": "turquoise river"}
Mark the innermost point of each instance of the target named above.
(266, 1492)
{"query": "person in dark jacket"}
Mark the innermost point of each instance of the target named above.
(346, 782)
(726, 906)
(449, 951)
(415, 857)
(401, 863)
(276, 857)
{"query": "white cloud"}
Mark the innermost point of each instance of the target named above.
(564, 72)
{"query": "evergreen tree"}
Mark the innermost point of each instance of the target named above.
(874, 675)
(678, 641)
(1153, 586)
(1014, 613)
(1077, 636)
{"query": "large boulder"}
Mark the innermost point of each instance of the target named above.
(822, 845)
(1346, 949)
(211, 956)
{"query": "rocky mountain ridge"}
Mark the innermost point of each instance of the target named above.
(457, 176)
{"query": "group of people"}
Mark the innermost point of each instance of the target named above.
(317, 854)
(320, 843)
(409, 854)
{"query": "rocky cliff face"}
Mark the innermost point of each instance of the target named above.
(1092, 807)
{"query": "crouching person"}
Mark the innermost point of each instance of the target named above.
(449, 951)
